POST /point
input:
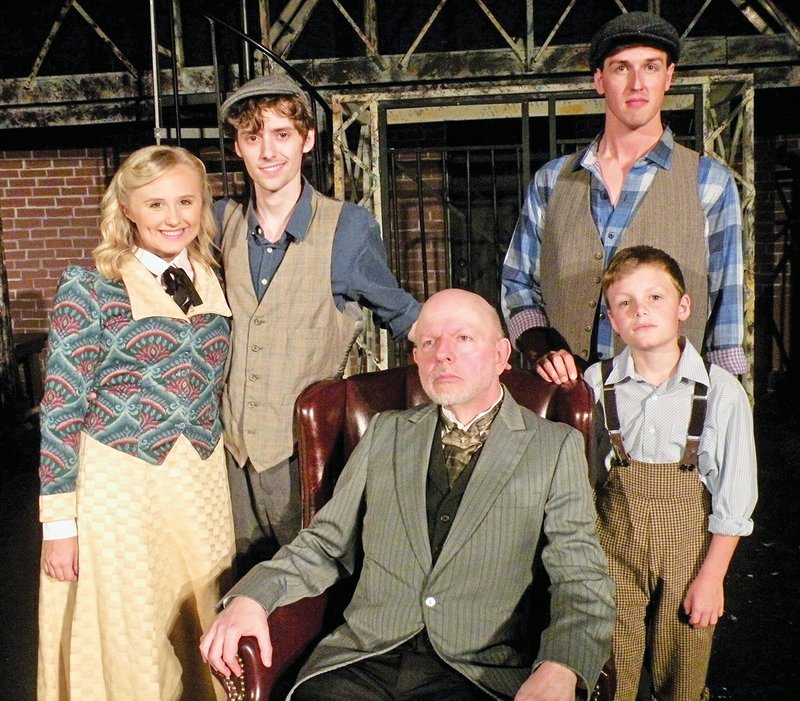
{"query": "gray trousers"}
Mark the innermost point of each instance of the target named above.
(266, 509)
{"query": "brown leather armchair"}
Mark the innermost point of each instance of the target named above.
(331, 416)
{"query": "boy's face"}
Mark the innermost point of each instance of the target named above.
(273, 156)
(634, 82)
(645, 309)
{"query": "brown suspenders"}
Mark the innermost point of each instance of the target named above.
(696, 421)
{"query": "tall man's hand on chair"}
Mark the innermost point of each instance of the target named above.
(557, 366)
(220, 644)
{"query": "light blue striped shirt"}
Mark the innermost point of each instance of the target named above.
(654, 422)
(521, 289)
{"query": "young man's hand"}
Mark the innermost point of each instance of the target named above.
(557, 366)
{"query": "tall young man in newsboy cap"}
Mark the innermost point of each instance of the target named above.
(297, 267)
(633, 185)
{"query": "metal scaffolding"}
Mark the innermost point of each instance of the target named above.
(524, 69)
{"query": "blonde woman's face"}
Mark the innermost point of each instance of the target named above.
(167, 211)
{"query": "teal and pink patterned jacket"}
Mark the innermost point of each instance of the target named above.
(130, 369)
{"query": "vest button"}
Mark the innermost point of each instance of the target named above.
(598, 256)
(430, 602)
(592, 303)
(584, 354)
(255, 348)
(597, 279)
(260, 320)
(587, 329)
(252, 378)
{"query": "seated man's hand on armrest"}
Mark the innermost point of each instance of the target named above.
(220, 643)
(549, 682)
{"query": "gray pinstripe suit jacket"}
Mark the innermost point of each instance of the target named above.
(530, 481)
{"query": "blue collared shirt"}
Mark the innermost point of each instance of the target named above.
(359, 271)
(521, 293)
(654, 422)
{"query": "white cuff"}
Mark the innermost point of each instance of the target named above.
(57, 530)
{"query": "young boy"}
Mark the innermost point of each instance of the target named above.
(297, 265)
(679, 483)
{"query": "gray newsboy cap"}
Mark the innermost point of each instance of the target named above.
(265, 86)
(634, 29)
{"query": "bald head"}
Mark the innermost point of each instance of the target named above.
(460, 349)
(464, 303)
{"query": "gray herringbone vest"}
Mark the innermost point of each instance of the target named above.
(279, 346)
(669, 217)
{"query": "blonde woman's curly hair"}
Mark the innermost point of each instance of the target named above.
(119, 232)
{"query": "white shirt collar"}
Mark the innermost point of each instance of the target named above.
(157, 265)
(451, 416)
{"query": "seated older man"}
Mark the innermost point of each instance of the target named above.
(448, 502)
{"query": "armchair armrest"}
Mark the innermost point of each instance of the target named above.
(292, 629)
(607, 683)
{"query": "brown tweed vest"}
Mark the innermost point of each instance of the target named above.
(669, 217)
(279, 346)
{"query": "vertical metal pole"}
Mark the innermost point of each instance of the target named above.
(175, 20)
(423, 238)
(448, 220)
(371, 21)
(9, 401)
(699, 131)
(218, 97)
(468, 285)
(157, 131)
(177, 27)
(247, 56)
(748, 239)
(526, 143)
(495, 221)
(530, 42)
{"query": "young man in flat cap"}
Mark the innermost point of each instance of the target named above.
(297, 267)
(633, 185)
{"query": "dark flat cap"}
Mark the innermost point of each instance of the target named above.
(634, 29)
(264, 86)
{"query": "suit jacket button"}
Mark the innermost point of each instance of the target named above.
(430, 602)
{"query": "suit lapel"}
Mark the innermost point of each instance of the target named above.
(504, 447)
(413, 440)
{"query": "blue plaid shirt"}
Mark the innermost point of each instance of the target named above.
(522, 296)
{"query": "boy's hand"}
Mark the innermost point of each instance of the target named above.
(705, 601)
(557, 366)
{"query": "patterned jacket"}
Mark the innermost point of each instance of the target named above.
(127, 367)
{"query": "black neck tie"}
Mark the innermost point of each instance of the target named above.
(178, 286)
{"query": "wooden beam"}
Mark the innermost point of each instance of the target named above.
(94, 98)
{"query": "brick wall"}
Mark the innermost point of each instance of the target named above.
(410, 251)
(49, 205)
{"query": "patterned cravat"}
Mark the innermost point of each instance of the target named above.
(179, 286)
(459, 445)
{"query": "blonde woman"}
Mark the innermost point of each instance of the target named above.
(137, 526)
